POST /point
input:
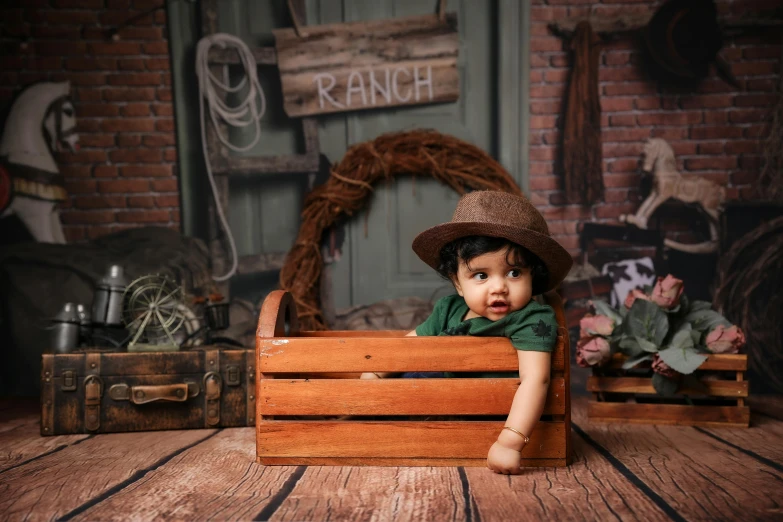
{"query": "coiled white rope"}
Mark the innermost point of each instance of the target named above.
(248, 111)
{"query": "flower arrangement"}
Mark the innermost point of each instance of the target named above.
(659, 325)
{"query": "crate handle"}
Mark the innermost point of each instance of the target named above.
(278, 308)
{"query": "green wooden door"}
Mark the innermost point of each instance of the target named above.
(264, 210)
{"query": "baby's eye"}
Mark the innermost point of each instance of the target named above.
(515, 272)
(479, 276)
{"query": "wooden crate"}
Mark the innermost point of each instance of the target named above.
(621, 397)
(308, 379)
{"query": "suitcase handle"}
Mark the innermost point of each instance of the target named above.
(179, 392)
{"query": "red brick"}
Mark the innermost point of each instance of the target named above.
(748, 115)
(750, 163)
(145, 5)
(622, 120)
(79, 4)
(536, 77)
(105, 171)
(763, 84)
(706, 101)
(547, 13)
(118, 4)
(164, 124)
(163, 109)
(711, 147)
(556, 75)
(86, 125)
(141, 33)
(542, 153)
(144, 216)
(115, 186)
(130, 140)
(83, 217)
(136, 109)
(157, 140)
(132, 64)
(56, 33)
(616, 196)
(756, 131)
(75, 171)
(755, 100)
(151, 171)
(170, 155)
(742, 147)
(560, 60)
(636, 134)
(564, 213)
(617, 58)
(96, 110)
(135, 155)
(543, 183)
(124, 94)
(135, 79)
(128, 125)
(710, 163)
(551, 137)
(715, 133)
(547, 107)
(85, 156)
(669, 133)
(85, 94)
(167, 201)
(91, 64)
(115, 48)
(668, 118)
(164, 94)
(543, 122)
(623, 165)
(94, 202)
(716, 116)
(627, 88)
(538, 44)
(74, 234)
(141, 202)
(80, 187)
(164, 185)
(744, 177)
(621, 180)
(754, 68)
(619, 150)
(683, 148)
(616, 104)
(619, 74)
(156, 48)
(536, 60)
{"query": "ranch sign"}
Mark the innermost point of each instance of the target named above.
(368, 65)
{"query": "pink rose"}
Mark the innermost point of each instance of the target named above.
(599, 324)
(633, 295)
(592, 351)
(667, 292)
(658, 366)
(725, 340)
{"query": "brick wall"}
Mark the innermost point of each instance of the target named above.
(125, 174)
(714, 130)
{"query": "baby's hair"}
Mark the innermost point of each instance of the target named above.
(470, 247)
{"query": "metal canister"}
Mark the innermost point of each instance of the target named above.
(107, 303)
(65, 329)
(85, 322)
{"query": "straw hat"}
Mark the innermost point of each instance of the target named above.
(497, 214)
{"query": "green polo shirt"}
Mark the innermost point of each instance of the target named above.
(532, 328)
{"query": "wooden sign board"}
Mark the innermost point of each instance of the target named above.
(368, 65)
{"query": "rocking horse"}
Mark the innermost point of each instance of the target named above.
(668, 183)
(41, 121)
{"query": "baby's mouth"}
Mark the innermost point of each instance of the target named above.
(498, 306)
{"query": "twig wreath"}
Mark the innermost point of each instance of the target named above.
(458, 164)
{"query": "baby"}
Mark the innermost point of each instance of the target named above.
(498, 253)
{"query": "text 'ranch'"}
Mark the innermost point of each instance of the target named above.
(393, 85)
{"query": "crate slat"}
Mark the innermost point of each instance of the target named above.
(679, 414)
(372, 354)
(398, 396)
(714, 362)
(378, 461)
(398, 439)
(352, 333)
(714, 388)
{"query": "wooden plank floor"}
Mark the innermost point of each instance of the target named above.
(620, 472)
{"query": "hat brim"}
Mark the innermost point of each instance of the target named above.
(558, 261)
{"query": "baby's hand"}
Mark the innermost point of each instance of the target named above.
(369, 375)
(503, 460)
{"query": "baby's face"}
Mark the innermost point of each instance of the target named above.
(492, 287)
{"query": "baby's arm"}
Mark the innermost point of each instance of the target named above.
(381, 375)
(526, 408)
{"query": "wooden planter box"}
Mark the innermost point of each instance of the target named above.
(307, 380)
(625, 397)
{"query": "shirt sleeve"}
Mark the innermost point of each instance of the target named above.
(433, 325)
(536, 330)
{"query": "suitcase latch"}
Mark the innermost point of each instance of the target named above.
(93, 389)
(212, 385)
(69, 380)
(232, 377)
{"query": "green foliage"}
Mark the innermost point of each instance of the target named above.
(647, 320)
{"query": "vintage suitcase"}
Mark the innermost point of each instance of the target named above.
(94, 391)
